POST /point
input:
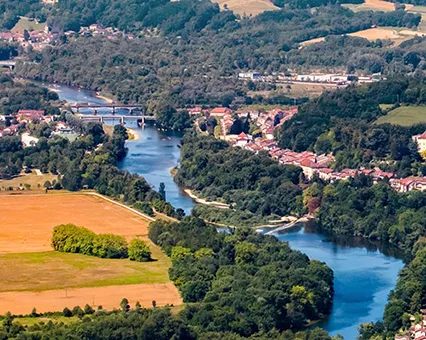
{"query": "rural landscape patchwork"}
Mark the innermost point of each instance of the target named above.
(212, 169)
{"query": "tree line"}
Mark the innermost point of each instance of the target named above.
(130, 323)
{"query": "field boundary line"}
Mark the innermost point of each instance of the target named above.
(121, 205)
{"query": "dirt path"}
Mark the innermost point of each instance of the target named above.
(108, 297)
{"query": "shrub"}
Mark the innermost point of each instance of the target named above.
(139, 251)
(110, 246)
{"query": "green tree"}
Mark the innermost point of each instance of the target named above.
(162, 191)
(124, 304)
(139, 251)
(179, 253)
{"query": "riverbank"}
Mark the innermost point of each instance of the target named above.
(102, 97)
(199, 200)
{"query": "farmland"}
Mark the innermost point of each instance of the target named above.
(405, 116)
(31, 232)
(35, 180)
(29, 25)
(247, 7)
(375, 5)
(396, 35)
(52, 280)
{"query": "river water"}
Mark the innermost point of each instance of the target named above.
(364, 274)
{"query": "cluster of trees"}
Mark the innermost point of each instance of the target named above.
(167, 117)
(17, 95)
(7, 50)
(341, 122)
(133, 15)
(242, 282)
(247, 181)
(69, 238)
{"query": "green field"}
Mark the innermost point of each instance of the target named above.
(29, 321)
(29, 25)
(54, 270)
(405, 116)
(34, 180)
(386, 106)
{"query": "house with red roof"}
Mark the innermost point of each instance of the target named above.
(242, 139)
(30, 115)
(220, 111)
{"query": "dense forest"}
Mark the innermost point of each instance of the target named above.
(249, 182)
(242, 282)
(16, 95)
(341, 123)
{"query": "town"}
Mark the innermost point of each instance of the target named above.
(311, 163)
(25, 122)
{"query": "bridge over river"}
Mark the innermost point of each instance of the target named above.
(122, 118)
(115, 106)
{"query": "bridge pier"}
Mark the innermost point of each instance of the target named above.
(101, 119)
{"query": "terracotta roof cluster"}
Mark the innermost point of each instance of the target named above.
(29, 115)
(260, 144)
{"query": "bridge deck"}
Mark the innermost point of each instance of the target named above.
(97, 106)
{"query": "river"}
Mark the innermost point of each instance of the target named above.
(153, 155)
(364, 275)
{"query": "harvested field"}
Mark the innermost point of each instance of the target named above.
(247, 7)
(27, 221)
(298, 90)
(375, 5)
(396, 35)
(107, 297)
(405, 116)
(34, 276)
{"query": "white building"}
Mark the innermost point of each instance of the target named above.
(421, 141)
(249, 75)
